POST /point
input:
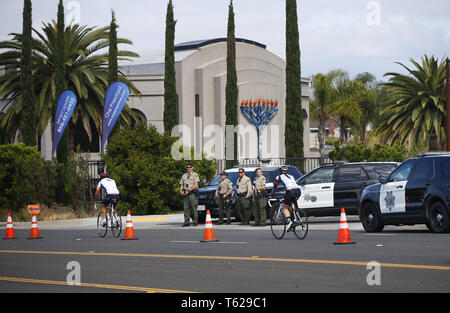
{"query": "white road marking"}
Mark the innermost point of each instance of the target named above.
(226, 242)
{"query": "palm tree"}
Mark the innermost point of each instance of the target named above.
(345, 107)
(368, 104)
(319, 105)
(86, 65)
(415, 110)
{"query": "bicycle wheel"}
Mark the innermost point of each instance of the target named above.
(301, 223)
(100, 228)
(278, 224)
(116, 224)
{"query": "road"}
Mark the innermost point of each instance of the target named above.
(169, 258)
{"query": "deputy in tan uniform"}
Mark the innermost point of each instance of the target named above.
(188, 188)
(244, 192)
(223, 192)
(259, 191)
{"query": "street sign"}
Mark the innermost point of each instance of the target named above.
(34, 209)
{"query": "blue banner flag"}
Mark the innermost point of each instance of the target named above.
(115, 99)
(64, 109)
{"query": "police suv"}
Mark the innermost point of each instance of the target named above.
(417, 192)
(327, 189)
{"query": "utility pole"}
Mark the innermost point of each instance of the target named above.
(447, 84)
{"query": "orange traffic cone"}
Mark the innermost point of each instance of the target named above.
(34, 234)
(9, 229)
(129, 230)
(344, 232)
(209, 232)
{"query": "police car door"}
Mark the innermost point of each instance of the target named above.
(348, 185)
(392, 194)
(317, 189)
(418, 183)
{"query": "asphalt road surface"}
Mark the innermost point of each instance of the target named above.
(169, 258)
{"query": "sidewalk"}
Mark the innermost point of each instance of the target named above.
(92, 221)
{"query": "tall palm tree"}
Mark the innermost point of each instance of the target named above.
(86, 62)
(415, 110)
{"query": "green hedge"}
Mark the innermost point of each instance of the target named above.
(25, 178)
(147, 176)
(379, 153)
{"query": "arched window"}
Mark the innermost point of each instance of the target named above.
(140, 116)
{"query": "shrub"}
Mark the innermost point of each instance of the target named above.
(24, 177)
(379, 153)
(147, 176)
(332, 141)
(76, 180)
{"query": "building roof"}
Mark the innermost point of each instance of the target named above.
(152, 62)
(196, 44)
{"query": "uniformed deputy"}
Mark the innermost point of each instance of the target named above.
(223, 192)
(188, 188)
(259, 184)
(244, 192)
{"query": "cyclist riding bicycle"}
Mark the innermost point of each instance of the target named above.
(108, 185)
(293, 193)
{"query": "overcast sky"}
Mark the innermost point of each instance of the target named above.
(355, 35)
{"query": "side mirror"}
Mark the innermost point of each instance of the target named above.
(382, 179)
(205, 182)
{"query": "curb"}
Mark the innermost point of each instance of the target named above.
(82, 221)
(62, 223)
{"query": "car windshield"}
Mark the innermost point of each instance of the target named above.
(232, 176)
(402, 172)
(384, 169)
(270, 176)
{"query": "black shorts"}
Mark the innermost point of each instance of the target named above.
(292, 196)
(107, 200)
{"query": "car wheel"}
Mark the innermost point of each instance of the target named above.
(370, 218)
(438, 219)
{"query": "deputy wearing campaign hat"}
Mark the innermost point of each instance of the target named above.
(189, 188)
(224, 192)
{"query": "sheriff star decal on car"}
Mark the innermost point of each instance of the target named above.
(390, 200)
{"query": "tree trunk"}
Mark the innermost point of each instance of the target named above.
(434, 144)
(321, 137)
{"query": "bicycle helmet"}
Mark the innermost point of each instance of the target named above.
(283, 170)
(102, 173)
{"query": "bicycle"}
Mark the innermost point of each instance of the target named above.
(278, 221)
(113, 220)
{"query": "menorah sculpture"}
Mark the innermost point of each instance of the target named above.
(259, 112)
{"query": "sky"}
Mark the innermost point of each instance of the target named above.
(354, 35)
